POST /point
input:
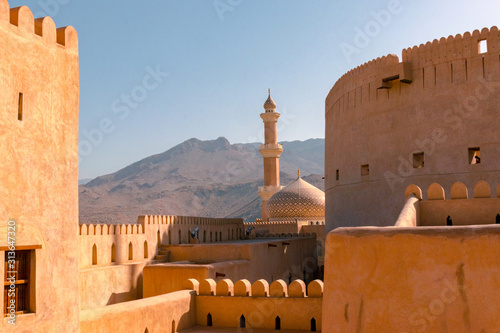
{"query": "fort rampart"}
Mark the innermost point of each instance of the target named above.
(431, 117)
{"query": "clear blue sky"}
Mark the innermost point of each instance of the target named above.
(221, 61)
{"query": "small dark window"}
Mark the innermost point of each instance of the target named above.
(365, 170)
(337, 176)
(277, 323)
(130, 251)
(20, 107)
(313, 325)
(113, 253)
(474, 155)
(418, 160)
(94, 255)
(209, 319)
(482, 46)
(242, 322)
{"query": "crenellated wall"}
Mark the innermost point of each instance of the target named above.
(39, 80)
(258, 305)
(140, 241)
(391, 123)
(285, 258)
(118, 253)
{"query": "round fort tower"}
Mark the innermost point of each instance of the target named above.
(427, 124)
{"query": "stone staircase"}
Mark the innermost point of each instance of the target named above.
(161, 256)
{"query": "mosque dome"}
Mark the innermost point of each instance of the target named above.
(299, 200)
(269, 104)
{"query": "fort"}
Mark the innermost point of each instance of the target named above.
(390, 124)
(406, 237)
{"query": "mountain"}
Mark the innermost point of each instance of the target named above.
(195, 178)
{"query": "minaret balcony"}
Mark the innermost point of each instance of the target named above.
(271, 150)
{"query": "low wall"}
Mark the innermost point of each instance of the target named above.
(104, 244)
(167, 313)
(424, 279)
(461, 211)
(259, 305)
(165, 278)
(269, 259)
(110, 285)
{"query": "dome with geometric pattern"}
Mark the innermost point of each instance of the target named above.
(299, 200)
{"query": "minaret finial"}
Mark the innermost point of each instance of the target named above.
(269, 91)
(298, 173)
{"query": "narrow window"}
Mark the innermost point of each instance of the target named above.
(482, 46)
(17, 281)
(158, 238)
(220, 236)
(209, 319)
(173, 326)
(180, 237)
(20, 107)
(337, 175)
(418, 160)
(113, 253)
(474, 155)
(204, 236)
(365, 170)
(313, 325)
(169, 237)
(277, 323)
(94, 255)
(130, 251)
(146, 250)
(242, 322)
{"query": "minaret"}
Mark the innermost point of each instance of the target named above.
(271, 152)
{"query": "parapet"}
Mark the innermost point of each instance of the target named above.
(22, 18)
(360, 84)
(186, 220)
(435, 191)
(111, 229)
(260, 288)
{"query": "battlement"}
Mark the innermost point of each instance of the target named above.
(264, 224)
(447, 60)
(260, 288)
(450, 205)
(186, 220)
(111, 229)
(44, 28)
(453, 48)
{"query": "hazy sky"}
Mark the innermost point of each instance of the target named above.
(155, 73)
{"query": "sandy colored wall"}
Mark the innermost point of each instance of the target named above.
(425, 279)
(166, 278)
(250, 260)
(462, 211)
(150, 231)
(260, 312)
(110, 285)
(156, 314)
(266, 262)
(262, 304)
(444, 102)
(39, 183)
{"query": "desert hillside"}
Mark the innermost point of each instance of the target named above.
(195, 178)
